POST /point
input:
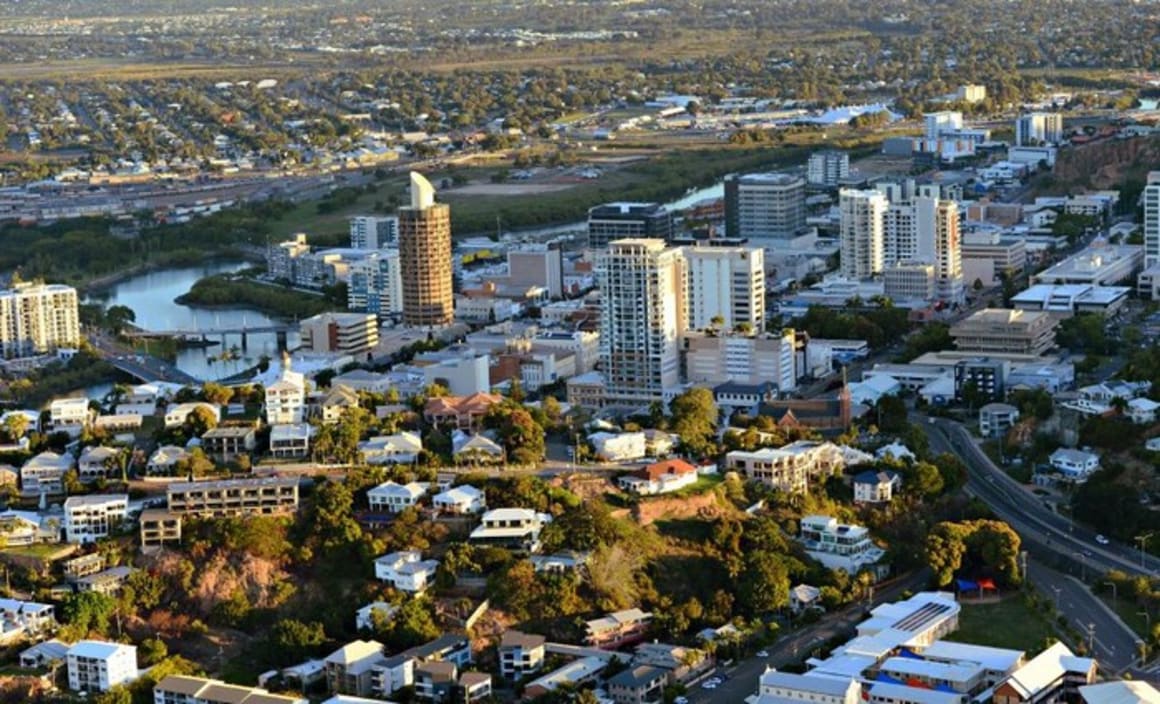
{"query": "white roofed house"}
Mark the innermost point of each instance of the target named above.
(393, 498)
(290, 440)
(286, 397)
(872, 487)
(98, 462)
(475, 448)
(400, 448)
(24, 618)
(839, 546)
(460, 500)
(364, 618)
(513, 528)
(803, 596)
(1056, 674)
(98, 666)
(777, 686)
(349, 670)
(44, 474)
(177, 414)
(336, 402)
(70, 415)
(1074, 465)
(90, 518)
(406, 571)
(163, 461)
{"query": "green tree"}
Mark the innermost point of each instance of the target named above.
(294, 640)
(216, 393)
(764, 584)
(695, 420)
(413, 624)
(983, 546)
(86, 613)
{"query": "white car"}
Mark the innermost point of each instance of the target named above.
(709, 685)
(762, 653)
(1102, 540)
(681, 700)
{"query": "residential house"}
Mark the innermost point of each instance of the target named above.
(839, 546)
(618, 447)
(512, 528)
(290, 440)
(520, 654)
(617, 629)
(98, 462)
(286, 397)
(463, 412)
(44, 654)
(462, 499)
(364, 618)
(159, 527)
(234, 497)
(163, 462)
(25, 618)
(1142, 410)
(641, 684)
(227, 443)
(793, 468)
(349, 669)
(995, 419)
(804, 596)
(98, 666)
(393, 498)
(435, 681)
(336, 402)
(1056, 674)
(1074, 465)
(475, 449)
(560, 562)
(681, 664)
(93, 517)
(107, 582)
(177, 414)
(895, 451)
(185, 689)
(474, 686)
(21, 528)
(363, 380)
(392, 674)
(876, 487)
(406, 571)
(400, 448)
(83, 566)
(69, 415)
(44, 474)
(659, 478)
(777, 686)
(576, 673)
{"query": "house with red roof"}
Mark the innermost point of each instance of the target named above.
(463, 412)
(659, 478)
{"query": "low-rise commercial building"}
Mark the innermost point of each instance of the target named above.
(185, 689)
(340, 333)
(234, 497)
(1101, 264)
(792, 468)
(1001, 330)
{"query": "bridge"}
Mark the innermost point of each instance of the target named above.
(150, 369)
(279, 328)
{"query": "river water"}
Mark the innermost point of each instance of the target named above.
(151, 296)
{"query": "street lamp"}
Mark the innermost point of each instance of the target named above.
(1143, 542)
(1082, 565)
(1056, 590)
(1147, 618)
(1115, 592)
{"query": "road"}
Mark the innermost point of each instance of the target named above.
(1114, 644)
(742, 679)
(1026, 513)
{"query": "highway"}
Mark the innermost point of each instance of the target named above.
(1026, 513)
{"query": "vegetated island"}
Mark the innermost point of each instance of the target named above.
(232, 291)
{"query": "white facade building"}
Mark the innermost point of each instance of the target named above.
(728, 282)
(392, 497)
(461, 499)
(863, 233)
(286, 398)
(69, 415)
(406, 571)
(37, 318)
(90, 518)
(1038, 129)
(828, 168)
(98, 666)
(747, 359)
(642, 315)
(373, 231)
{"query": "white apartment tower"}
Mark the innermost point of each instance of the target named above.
(828, 168)
(1152, 220)
(728, 282)
(374, 231)
(1038, 128)
(948, 253)
(37, 318)
(863, 225)
(938, 122)
(642, 316)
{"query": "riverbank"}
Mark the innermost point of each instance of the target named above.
(100, 284)
(226, 292)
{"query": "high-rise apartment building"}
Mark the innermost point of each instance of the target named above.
(374, 231)
(764, 206)
(37, 318)
(642, 316)
(1038, 128)
(339, 333)
(615, 221)
(728, 282)
(828, 168)
(425, 258)
(936, 123)
(948, 253)
(376, 284)
(1152, 220)
(863, 233)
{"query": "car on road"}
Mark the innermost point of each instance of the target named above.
(1102, 540)
(762, 653)
(709, 685)
(681, 700)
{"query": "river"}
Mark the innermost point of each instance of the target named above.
(151, 296)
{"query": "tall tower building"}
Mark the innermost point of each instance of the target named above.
(642, 316)
(728, 282)
(373, 231)
(828, 168)
(863, 233)
(425, 258)
(764, 206)
(948, 253)
(935, 123)
(37, 318)
(1152, 220)
(1038, 128)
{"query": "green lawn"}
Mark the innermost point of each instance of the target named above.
(1130, 613)
(1007, 624)
(42, 551)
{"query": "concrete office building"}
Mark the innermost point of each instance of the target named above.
(376, 284)
(425, 258)
(37, 318)
(764, 206)
(1148, 282)
(728, 282)
(714, 359)
(537, 265)
(641, 318)
(374, 231)
(828, 168)
(340, 333)
(1038, 128)
(936, 123)
(1001, 331)
(615, 221)
(863, 225)
(1101, 264)
(948, 253)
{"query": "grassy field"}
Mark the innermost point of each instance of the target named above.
(1007, 624)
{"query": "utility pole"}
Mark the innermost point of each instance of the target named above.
(1056, 590)
(1023, 560)
(1142, 540)
(1091, 629)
